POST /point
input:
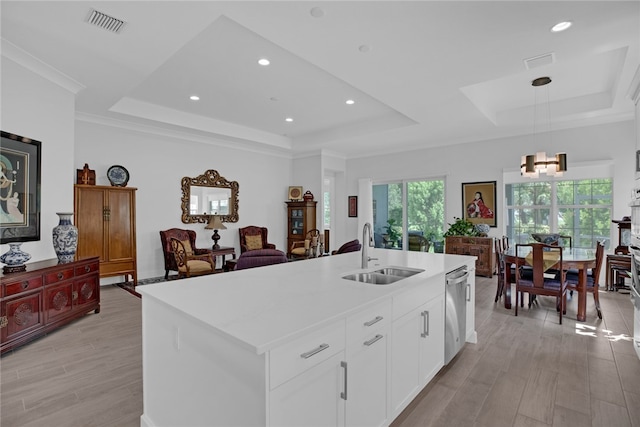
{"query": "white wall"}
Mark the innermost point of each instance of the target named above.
(33, 106)
(157, 163)
(486, 160)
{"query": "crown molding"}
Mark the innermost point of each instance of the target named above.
(31, 63)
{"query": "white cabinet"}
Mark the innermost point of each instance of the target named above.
(308, 380)
(312, 398)
(367, 378)
(417, 352)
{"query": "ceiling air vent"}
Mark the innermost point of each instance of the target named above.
(540, 60)
(104, 21)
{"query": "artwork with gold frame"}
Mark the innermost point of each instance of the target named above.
(479, 202)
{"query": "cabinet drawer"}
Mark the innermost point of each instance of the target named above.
(87, 268)
(295, 357)
(23, 285)
(363, 326)
(59, 276)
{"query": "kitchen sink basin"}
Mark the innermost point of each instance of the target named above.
(383, 276)
(372, 278)
(400, 272)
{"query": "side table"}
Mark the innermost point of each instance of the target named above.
(616, 264)
(223, 251)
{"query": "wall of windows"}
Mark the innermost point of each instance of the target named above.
(581, 209)
(408, 208)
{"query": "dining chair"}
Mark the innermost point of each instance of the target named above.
(593, 278)
(541, 258)
(499, 248)
(565, 241)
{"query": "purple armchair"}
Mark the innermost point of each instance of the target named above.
(352, 246)
(259, 258)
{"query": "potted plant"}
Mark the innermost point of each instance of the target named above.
(392, 234)
(461, 227)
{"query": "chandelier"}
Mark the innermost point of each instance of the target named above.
(532, 165)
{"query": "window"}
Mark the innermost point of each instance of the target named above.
(580, 209)
(409, 214)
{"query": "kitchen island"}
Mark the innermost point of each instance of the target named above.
(295, 343)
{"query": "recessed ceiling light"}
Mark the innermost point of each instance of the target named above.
(288, 119)
(365, 48)
(194, 98)
(317, 12)
(264, 62)
(560, 26)
(350, 102)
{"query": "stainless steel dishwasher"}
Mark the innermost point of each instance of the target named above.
(455, 312)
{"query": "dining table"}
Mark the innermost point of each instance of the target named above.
(581, 259)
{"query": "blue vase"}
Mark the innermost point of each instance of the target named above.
(65, 238)
(14, 257)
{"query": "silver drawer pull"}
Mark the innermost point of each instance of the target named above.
(372, 340)
(425, 324)
(343, 394)
(374, 321)
(317, 350)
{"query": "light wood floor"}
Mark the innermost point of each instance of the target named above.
(524, 371)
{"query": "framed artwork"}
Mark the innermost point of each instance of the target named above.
(295, 193)
(353, 206)
(479, 202)
(19, 188)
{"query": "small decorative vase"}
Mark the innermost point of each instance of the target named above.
(14, 258)
(65, 238)
(483, 229)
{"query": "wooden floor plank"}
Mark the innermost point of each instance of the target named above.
(90, 371)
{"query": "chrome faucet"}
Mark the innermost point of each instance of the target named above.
(366, 242)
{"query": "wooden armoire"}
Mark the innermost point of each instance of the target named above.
(106, 221)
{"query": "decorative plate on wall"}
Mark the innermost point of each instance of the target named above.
(295, 193)
(118, 176)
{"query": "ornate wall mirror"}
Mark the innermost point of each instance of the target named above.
(209, 194)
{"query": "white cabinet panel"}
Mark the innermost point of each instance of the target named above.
(313, 398)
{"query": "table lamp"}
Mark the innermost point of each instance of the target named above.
(215, 224)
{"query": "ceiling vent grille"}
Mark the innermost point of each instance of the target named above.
(105, 21)
(540, 60)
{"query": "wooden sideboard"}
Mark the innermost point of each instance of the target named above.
(45, 296)
(480, 247)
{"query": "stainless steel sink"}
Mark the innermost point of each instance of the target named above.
(383, 276)
(400, 272)
(372, 278)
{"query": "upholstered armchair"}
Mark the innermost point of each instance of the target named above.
(418, 243)
(183, 236)
(351, 246)
(190, 264)
(253, 238)
(300, 249)
(259, 258)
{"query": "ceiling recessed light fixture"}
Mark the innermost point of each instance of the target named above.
(194, 98)
(317, 12)
(560, 26)
(288, 119)
(350, 102)
(264, 62)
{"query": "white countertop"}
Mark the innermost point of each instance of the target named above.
(263, 307)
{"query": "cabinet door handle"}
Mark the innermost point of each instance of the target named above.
(87, 268)
(373, 321)
(343, 395)
(425, 324)
(3, 322)
(468, 291)
(316, 350)
(60, 276)
(24, 285)
(372, 340)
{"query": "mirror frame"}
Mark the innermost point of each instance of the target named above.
(210, 178)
